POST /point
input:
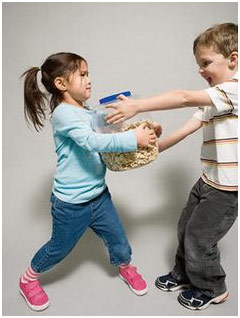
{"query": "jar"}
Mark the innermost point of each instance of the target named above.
(122, 161)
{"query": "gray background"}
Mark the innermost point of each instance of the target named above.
(142, 47)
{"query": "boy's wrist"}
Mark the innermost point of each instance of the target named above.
(139, 106)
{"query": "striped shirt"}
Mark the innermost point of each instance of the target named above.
(219, 153)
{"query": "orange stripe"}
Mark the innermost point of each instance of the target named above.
(220, 118)
(219, 186)
(220, 164)
(221, 141)
(228, 101)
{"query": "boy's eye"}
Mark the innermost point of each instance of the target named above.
(206, 63)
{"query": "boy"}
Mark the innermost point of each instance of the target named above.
(212, 205)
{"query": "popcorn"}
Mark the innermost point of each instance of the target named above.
(122, 161)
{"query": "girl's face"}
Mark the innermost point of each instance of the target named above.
(214, 67)
(78, 86)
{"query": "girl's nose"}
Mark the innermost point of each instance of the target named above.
(88, 79)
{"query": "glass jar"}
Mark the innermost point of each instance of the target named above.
(122, 161)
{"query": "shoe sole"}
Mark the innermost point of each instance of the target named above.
(172, 289)
(33, 307)
(137, 292)
(217, 300)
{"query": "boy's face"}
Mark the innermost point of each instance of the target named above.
(214, 67)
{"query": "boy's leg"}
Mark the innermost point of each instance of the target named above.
(107, 225)
(210, 221)
(179, 271)
(178, 278)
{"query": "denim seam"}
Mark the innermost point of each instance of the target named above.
(108, 246)
(47, 255)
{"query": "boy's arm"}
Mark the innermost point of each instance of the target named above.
(188, 128)
(127, 108)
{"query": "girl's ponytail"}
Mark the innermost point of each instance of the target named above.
(56, 65)
(34, 99)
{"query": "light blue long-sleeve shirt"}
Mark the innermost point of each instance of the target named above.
(80, 172)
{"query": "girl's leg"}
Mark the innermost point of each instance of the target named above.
(107, 225)
(69, 223)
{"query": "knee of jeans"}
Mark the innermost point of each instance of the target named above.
(195, 244)
(49, 256)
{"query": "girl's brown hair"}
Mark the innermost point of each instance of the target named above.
(222, 37)
(57, 65)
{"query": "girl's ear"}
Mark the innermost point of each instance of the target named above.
(60, 83)
(233, 60)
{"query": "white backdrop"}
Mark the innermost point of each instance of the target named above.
(142, 47)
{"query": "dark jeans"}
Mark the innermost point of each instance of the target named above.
(70, 221)
(207, 217)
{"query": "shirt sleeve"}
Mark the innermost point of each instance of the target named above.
(224, 97)
(199, 114)
(77, 126)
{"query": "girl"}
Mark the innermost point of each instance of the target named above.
(80, 197)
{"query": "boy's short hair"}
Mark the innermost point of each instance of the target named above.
(222, 37)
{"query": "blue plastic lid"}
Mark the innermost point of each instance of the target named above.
(111, 98)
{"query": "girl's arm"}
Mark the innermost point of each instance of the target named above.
(192, 125)
(127, 107)
(66, 122)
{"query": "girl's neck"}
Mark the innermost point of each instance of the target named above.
(73, 102)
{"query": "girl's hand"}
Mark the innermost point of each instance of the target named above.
(124, 109)
(157, 128)
(145, 137)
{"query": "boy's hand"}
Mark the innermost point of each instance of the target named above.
(157, 128)
(145, 137)
(161, 146)
(124, 109)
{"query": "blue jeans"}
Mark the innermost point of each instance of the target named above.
(70, 221)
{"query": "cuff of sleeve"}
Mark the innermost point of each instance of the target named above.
(129, 140)
(199, 114)
(219, 99)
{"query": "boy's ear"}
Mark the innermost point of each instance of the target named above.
(233, 59)
(60, 83)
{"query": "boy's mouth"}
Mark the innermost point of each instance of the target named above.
(209, 80)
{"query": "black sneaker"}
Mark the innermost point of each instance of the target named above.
(196, 300)
(169, 283)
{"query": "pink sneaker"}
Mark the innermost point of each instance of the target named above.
(134, 280)
(35, 296)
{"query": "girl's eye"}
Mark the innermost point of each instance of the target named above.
(84, 74)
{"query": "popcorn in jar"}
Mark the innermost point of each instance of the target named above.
(122, 161)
